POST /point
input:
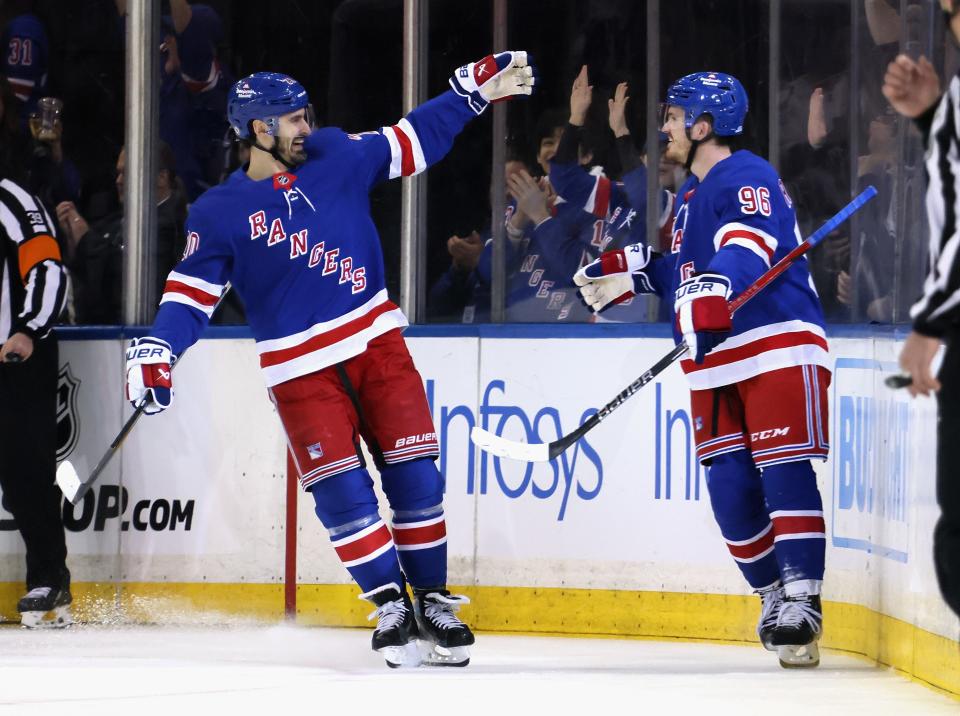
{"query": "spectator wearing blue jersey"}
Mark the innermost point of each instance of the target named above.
(547, 239)
(193, 93)
(26, 52)
(620, 207)
(456, 294)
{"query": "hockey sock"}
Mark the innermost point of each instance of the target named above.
(415, 491)
(736, 494)
(796, 510)
(347, 506)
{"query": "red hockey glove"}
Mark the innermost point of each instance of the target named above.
(702, 314)
(149, 375)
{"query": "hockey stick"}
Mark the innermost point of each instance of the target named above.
(544, 452)
(72, 487)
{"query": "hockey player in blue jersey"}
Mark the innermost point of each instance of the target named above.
(759, 381)
(292, 233)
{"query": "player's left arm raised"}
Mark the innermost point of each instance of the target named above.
(426, 134)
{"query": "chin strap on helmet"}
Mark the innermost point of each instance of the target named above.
(273, 150)
(273, 153)
(694, 145)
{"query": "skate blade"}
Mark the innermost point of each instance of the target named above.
(59, 618)
(401, 657)
(436, 655)
(806, 656)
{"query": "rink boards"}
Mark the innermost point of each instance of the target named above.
(613, 537)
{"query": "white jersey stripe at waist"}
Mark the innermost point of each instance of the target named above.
(348, 347)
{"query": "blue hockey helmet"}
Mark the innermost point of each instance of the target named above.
(264, 96)
(714, 93)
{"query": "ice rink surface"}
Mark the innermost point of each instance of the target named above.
(277, 670)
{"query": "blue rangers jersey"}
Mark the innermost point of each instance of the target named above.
(739, 222)
(301, 248)
(620, 210)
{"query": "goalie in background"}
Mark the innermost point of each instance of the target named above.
(733, 221)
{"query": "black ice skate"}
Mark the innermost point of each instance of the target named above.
(444, 639)
(798, 629)
(771, 599)
(396, 632)
(46, 607)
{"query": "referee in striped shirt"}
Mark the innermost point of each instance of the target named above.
(913, 88)
(33, 288)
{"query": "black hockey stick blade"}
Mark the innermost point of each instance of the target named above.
(895, 382)
(69, 482)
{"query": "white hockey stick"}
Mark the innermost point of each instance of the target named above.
(72, 487)
(544, 452)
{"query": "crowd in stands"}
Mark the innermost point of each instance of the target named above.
(61, 135)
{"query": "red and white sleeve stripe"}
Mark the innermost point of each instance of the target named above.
(598, 203)
(406, 154)
(191, 291)
(749, 237)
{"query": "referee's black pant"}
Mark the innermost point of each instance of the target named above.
(28, 461)
(946, 536)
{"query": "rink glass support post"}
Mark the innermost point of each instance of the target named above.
(498, 283)
(142, 118)
(413, 199)
(652, 117)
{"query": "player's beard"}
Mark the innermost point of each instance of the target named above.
(678, 152)
(291, 153)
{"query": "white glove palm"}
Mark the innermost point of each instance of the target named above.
(615, 277)
(494, 78)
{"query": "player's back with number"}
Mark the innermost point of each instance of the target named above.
(742, 205)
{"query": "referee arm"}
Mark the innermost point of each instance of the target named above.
(913, 89)
(30, 229)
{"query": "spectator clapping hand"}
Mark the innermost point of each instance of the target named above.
(465, 251)
(617, 106)
(581, 95)
(531, 199)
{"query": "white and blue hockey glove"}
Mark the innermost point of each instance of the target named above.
(702, 313)
(149, 374)
(494, 78)
(615, 277)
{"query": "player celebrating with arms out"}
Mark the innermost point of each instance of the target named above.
(759, 381)
(292, 233)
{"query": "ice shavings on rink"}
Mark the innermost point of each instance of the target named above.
(243, 669)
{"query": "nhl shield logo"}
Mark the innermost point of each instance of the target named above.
(68, 419)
